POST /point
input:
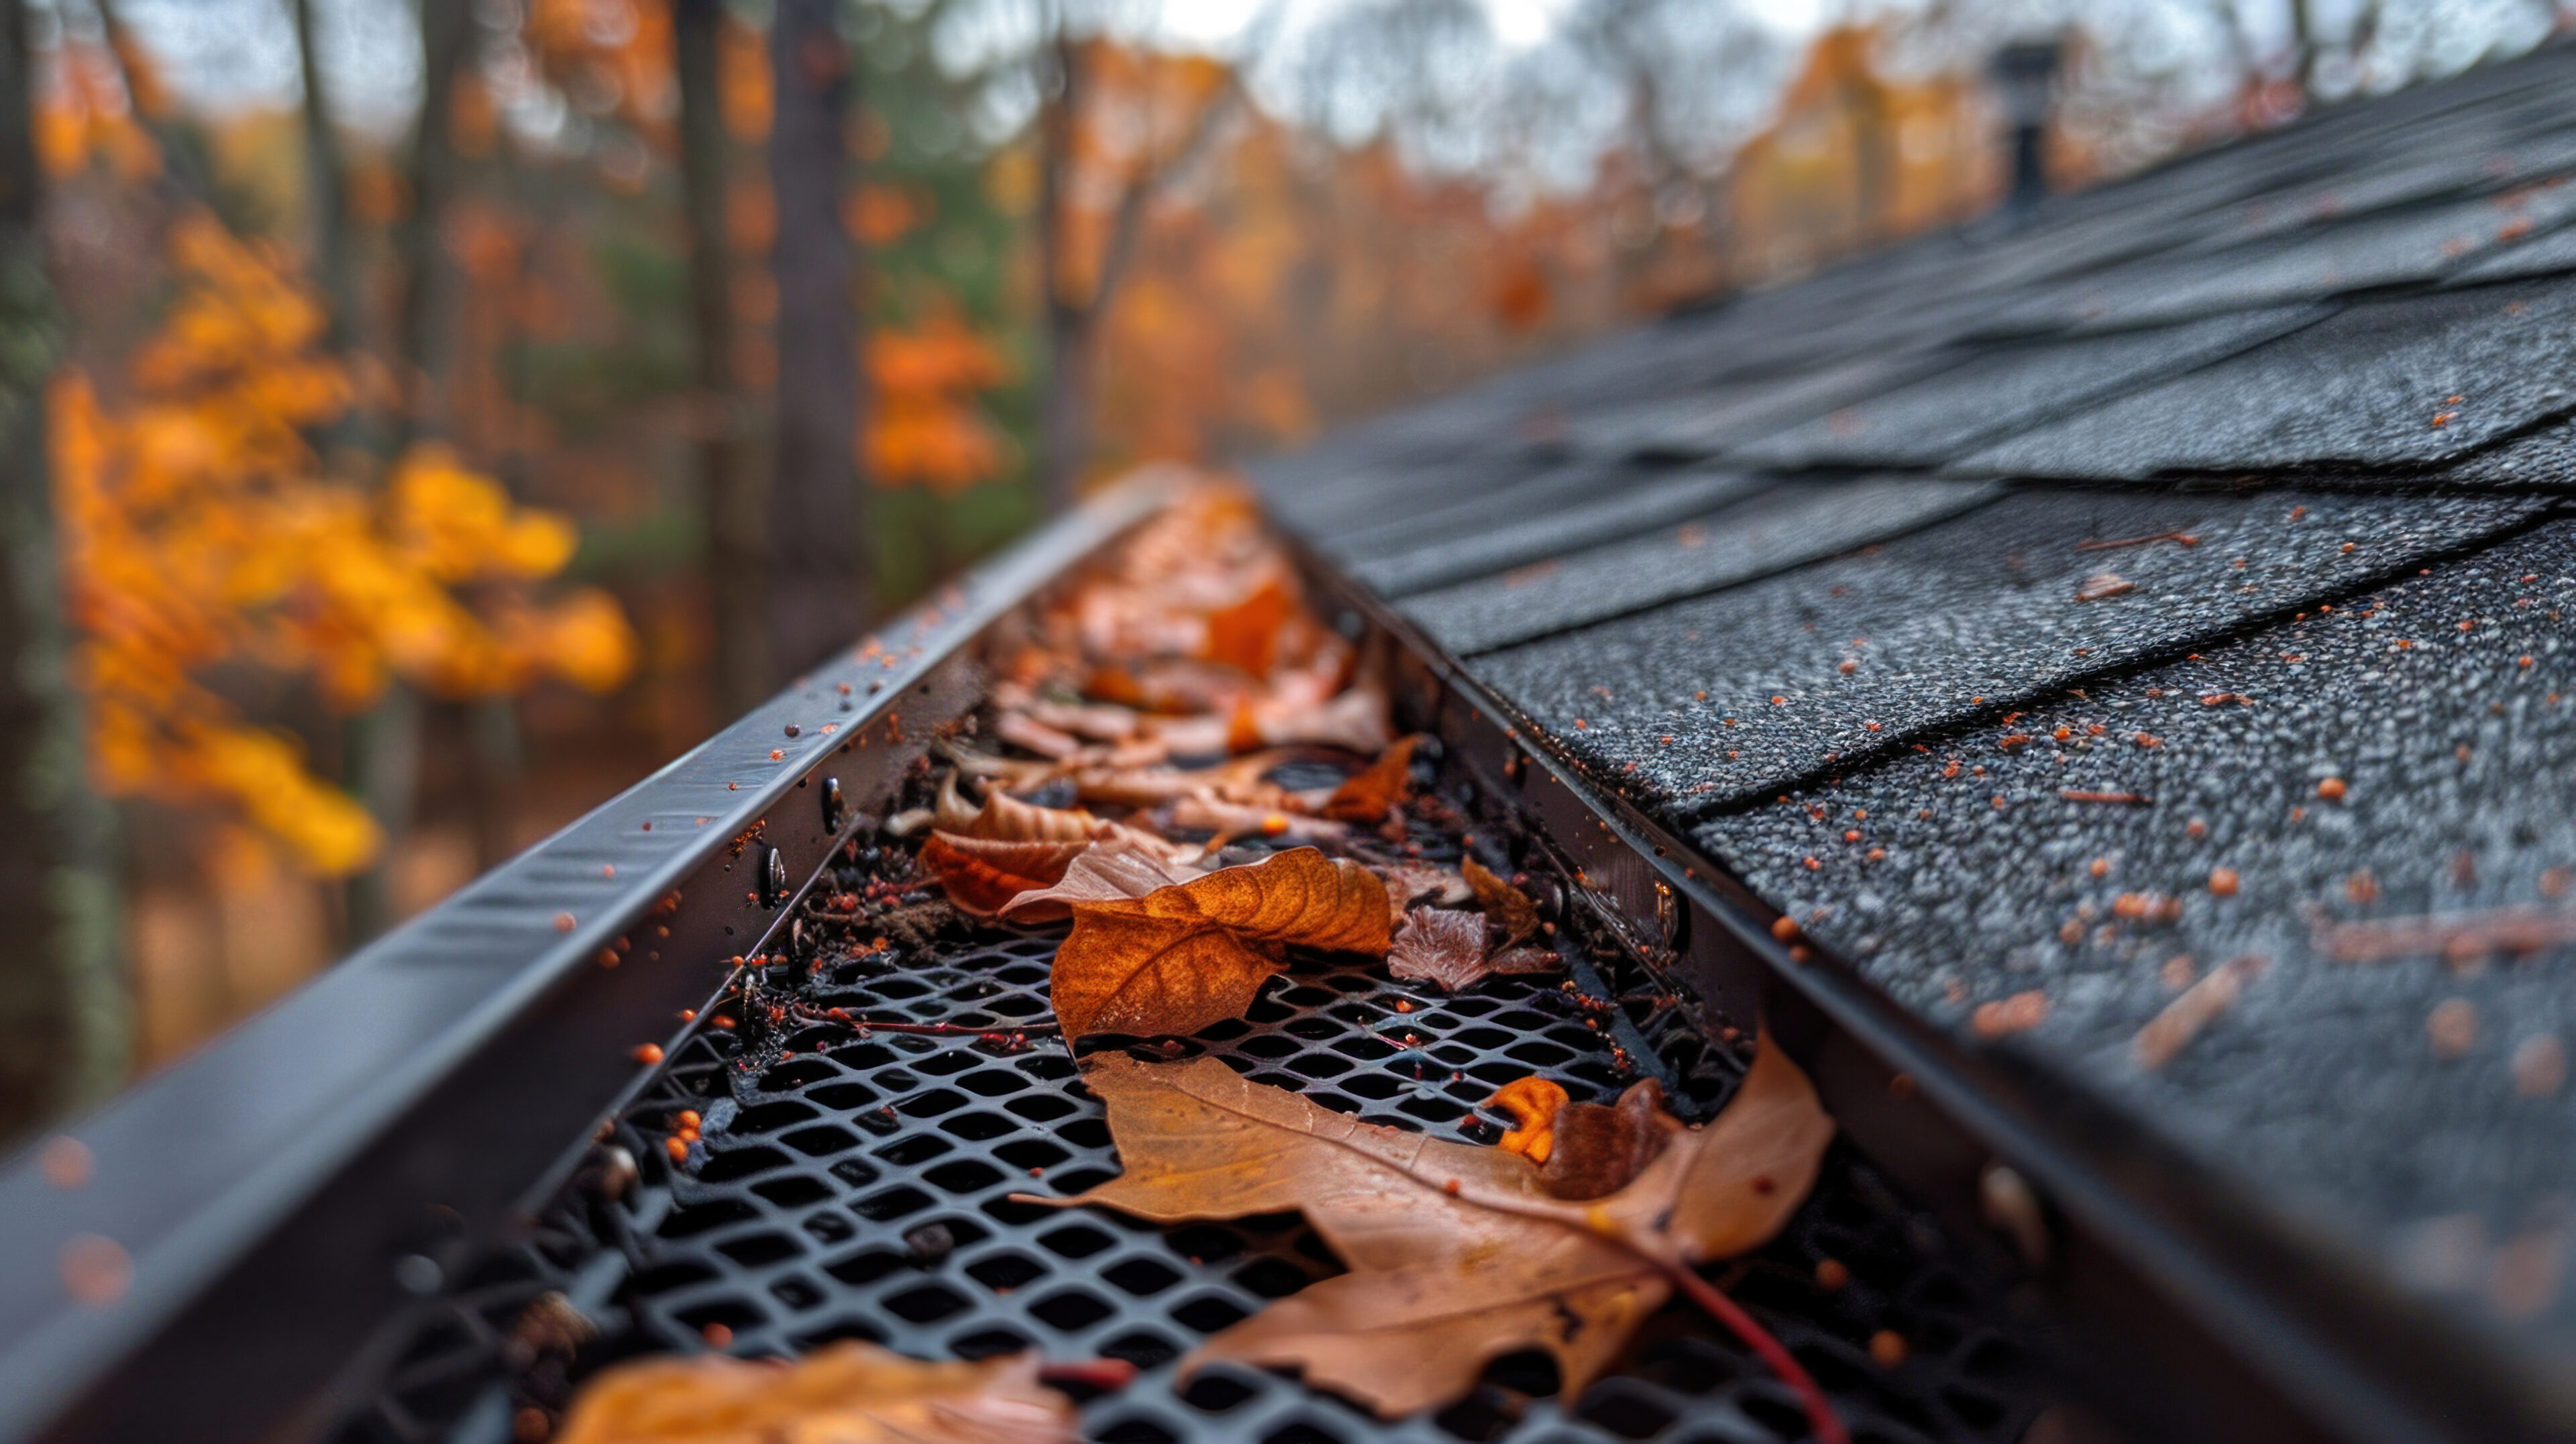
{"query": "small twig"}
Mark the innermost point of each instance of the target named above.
(2182, 538)
(2132, 799)
(1820, 1410)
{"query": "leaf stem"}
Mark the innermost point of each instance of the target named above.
(1820, 1411)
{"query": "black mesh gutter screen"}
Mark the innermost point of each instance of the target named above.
(425, 1196)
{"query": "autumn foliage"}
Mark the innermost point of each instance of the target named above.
(203, 534)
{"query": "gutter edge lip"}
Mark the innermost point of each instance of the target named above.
(53, 1349)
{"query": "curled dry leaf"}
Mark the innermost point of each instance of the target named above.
(983, 875)
(1182, 957)
(1355, 721)
(1022, 730)
(1367, 795)
(1117, 866)
(845, 1393)
(1583, 1149)
(1234, 819)
(1004, 818)
(1246, 635)
(1406, 881)
(1599, 1150)
(1440, 946)
(1511, 911)
(1533, 1103)
(1457, 1254)
(1525, 959)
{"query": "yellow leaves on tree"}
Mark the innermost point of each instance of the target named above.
(928, 429)
(86, 114)
(200, 531)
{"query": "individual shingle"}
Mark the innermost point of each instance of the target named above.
(1707, 422)
(2313, 263)
(2372, 386)
(2546, 253)
(2001, 390)
(2319, 1088)
(1779, 528)
(1578, 507)
(1947, 623)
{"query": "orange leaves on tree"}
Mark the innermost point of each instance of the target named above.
(927, 428)
(86, 116)
(200, 530)
(1457, 1254)
(844, 1393)
(1183, 957)
(618, 50)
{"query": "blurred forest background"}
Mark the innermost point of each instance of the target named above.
(425, 417)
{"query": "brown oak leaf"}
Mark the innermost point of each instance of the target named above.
(983, 875)
(1457, 1254)
(1511, 910)
(1004, 818)
(845, 1393)
(1117, 866)
(1440, 946)
(1182, 957)
(1367, 795)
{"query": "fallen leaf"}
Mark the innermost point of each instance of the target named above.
(1583, 1149)
(1406, 881)
(1182, 957)
(1440, 946)
(1508, 907)
(1367, 795)
(983, 875)
(1022, 730)
(1246, 634)
(845, 1393)
(1533, 1103)
(1004, 818)
(1525, 959)
(1597, 1151)
(1457, 1254)
(1115, 867)
(1234, 819)
(1355, 721)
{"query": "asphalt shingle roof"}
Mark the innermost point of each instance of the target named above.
(2341, 358)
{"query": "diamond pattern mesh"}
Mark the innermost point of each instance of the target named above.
(857, 1185)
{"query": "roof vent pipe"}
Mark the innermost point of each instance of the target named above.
(2024, 72)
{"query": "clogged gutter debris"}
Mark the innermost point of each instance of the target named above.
(1180, 764)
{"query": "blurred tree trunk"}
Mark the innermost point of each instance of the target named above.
(1072, 314)
(384, 745)
(62, 1032)
(728, 492)
(1064, 439)
(818, 575)
(326, 189)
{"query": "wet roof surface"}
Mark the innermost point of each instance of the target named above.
(2336, 357)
